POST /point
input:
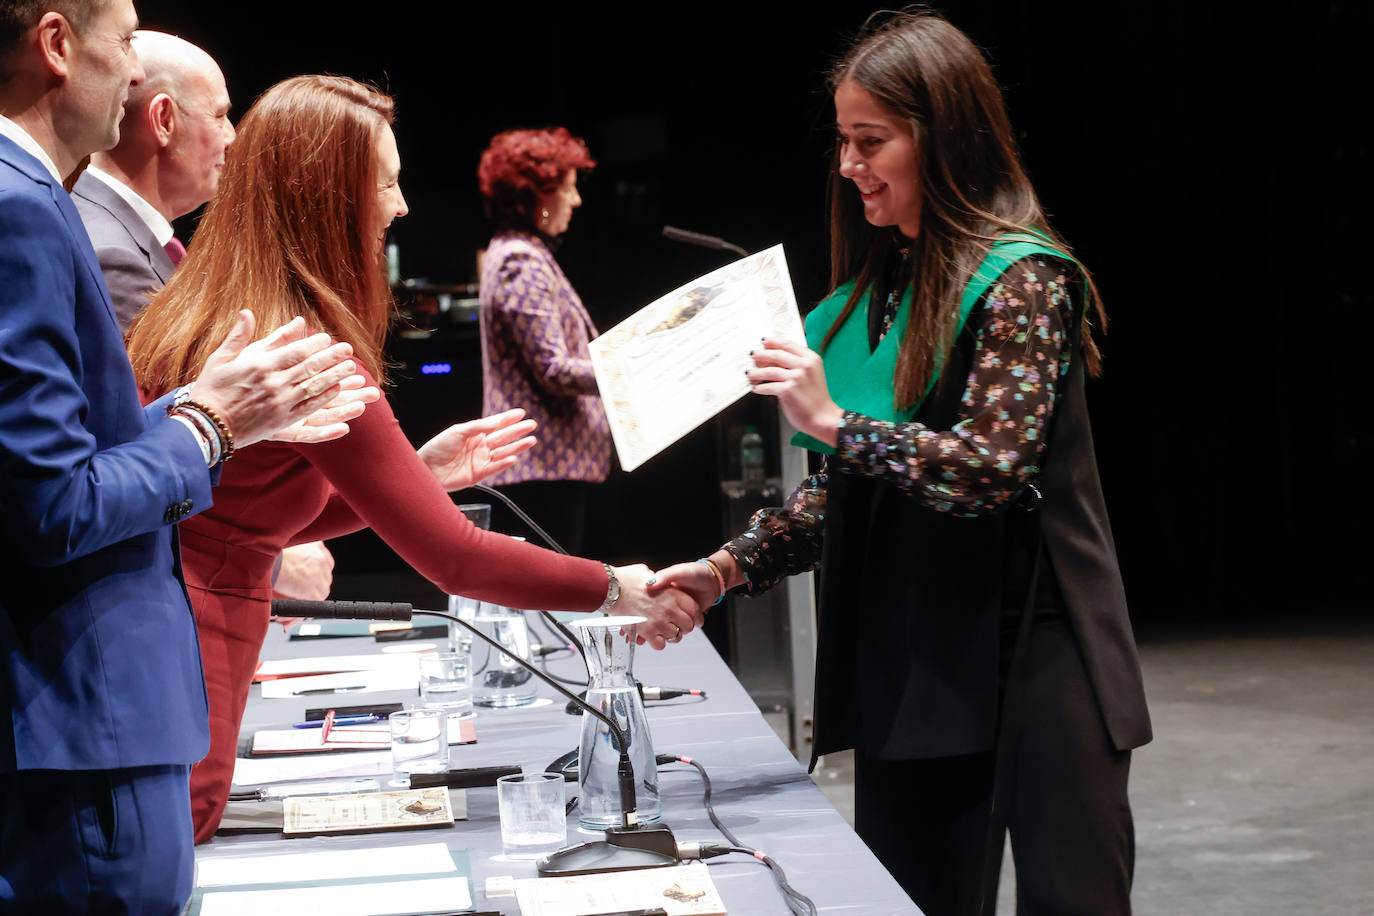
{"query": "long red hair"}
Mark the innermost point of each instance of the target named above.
(290, 231)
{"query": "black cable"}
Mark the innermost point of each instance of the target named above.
(663, 694)
(551, 625)
(625, 774)
(548, 539)
(566, 766)
(797, 902)
(520, 514)
(553, 545)
(662, 759)
(649, 695)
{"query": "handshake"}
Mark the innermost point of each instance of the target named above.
(674, 600)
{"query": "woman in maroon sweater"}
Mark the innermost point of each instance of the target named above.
(297, 228)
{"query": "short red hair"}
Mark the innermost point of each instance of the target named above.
(520, 165)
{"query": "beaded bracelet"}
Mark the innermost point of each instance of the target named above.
(217, 424)
(720, 579)
(204, 428)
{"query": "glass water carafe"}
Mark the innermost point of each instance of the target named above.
(610, 645)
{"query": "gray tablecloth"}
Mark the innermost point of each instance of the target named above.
(759, 790)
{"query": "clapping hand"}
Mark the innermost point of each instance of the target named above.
(331, 421)
(261, 386)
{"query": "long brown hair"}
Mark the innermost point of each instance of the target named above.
(289, 232)
(973, 188)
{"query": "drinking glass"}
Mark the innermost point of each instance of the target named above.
(533, 818)
(419, 743)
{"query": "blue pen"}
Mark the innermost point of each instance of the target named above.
(340, 720)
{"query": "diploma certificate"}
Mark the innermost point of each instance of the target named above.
(681, 359)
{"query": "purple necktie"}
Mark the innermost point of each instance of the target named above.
(175, 250)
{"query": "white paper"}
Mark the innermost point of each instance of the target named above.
(680, 360)
(250, 772)
(331, 865)
(327, 664)
(349, 682)
(681, 890)
(371, 736)
(426, 895)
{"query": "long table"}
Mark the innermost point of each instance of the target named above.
(759, 790)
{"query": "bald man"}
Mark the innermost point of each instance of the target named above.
(171, 151)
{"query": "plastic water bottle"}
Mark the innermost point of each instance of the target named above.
(393, 263)
(751, 458)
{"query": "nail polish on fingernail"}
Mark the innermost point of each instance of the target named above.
(651, 580)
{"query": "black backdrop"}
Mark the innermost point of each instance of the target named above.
(1205, 159)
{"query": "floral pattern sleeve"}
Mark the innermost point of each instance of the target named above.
(984, 462)
(783, 541)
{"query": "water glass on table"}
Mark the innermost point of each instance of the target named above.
(446, 683)
(459, 637)
(534, 820)
(499, 681)
(419, 743)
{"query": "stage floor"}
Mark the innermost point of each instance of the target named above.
(1257, 794)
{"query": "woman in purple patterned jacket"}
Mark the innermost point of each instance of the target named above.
(535, 330)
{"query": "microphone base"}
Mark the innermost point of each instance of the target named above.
(624, 849)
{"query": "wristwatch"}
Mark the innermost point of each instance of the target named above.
(612, 590)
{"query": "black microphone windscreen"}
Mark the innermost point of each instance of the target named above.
(342, 610)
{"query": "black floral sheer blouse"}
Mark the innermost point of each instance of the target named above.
(975, 468)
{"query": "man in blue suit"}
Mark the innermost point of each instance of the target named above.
(99, 665)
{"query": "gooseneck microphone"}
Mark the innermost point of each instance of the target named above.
(630, 846)
(702, 240)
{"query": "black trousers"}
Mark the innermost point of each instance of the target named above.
(1072, 836)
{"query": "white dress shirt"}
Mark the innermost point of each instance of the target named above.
(28, 144)
(161, 229)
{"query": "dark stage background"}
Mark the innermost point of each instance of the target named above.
(1202, 157)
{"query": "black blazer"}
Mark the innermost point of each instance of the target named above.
(912, 600)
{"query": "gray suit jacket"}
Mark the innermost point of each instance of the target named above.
(133, 262)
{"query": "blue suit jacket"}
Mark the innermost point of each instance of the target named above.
(99, 663)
